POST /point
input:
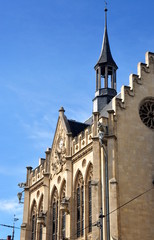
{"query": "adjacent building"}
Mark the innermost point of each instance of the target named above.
(97, 179)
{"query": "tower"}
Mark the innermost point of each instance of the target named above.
(105, 71)
(105, 163)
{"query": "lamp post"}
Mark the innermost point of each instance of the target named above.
(103, 131)
(19, 194)
(13, 231)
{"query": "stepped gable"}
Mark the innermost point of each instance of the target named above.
(134, 81)
(118, 102)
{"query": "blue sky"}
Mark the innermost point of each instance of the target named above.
(48, 50)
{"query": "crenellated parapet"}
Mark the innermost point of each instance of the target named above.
(38, 173)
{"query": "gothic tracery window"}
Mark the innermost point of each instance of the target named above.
(55, 215)
(80, 205)
(33, 221)
(146, 112)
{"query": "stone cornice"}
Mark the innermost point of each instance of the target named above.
(110, 136)
(95, 138)
(83, 152)
(68, 158)
(46, 174)
(36, 185)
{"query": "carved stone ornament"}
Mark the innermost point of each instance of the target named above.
(146, 112)
(145, 69)
(59, 156)
(151, 59)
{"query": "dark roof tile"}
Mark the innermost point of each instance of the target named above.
(76, 127)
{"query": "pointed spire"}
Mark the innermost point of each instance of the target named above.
(105, 74)
(106, 56)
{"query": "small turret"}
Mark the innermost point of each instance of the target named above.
(106, 71)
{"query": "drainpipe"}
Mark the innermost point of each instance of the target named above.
(107, 192)
(102, 132)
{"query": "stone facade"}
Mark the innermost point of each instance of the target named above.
(97, 179)
(76, 166)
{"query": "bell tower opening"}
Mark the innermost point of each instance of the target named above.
(105, 74)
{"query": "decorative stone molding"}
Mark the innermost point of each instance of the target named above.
(82, 154)
(119, 103)
(129, 91)
(151, 60)
(84, 162)
(59, 157)
(65, 205)
(113, 181)
(145, 68)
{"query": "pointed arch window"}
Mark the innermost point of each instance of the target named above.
(89, 178)
(40, 230)
(55, 215)
(63, 213)
(33, 221)
(80, 205)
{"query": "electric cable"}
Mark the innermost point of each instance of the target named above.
(72, 237)
(130, 201)
(117, 209)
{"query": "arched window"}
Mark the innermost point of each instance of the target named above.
(89, 196)
(33, 221)
(79, 205)
(55, 215)
(40, 230)
(63, 213)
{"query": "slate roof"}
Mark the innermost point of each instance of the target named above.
(76, 127)
(104, 111)
(106, 56)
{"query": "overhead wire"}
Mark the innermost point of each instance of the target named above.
(72, 236)
(141, 194)
(121, 206)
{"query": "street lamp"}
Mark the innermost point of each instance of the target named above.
(22, 185)
(19, 194)
(13, 231)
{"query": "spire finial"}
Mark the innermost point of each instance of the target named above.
(105, 5)
(105, 13)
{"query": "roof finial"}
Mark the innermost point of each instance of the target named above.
(105, 13)
(105, 5)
